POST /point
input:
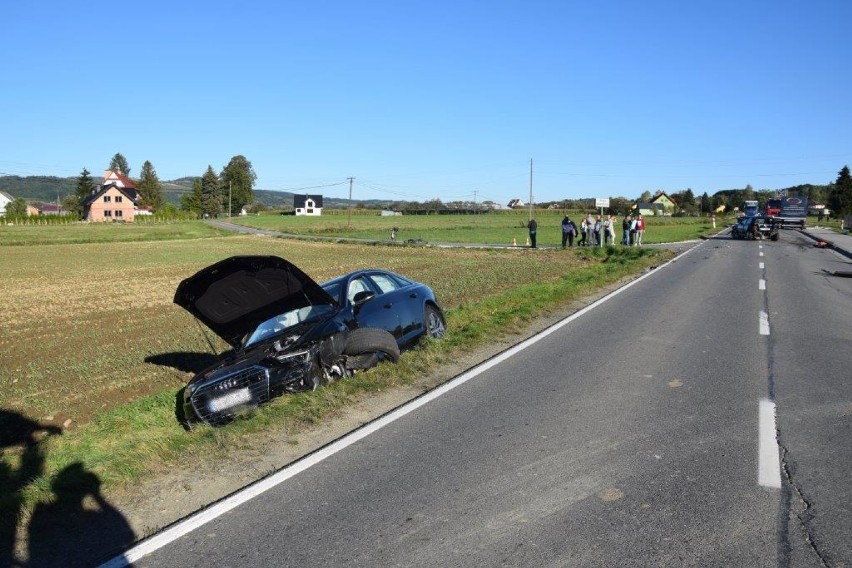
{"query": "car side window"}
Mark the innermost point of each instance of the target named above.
(356, 285)
(384, 283)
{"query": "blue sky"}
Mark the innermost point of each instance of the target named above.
(418, 100)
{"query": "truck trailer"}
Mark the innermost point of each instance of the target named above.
(792, 210)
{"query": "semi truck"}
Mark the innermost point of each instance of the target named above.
(792, 210)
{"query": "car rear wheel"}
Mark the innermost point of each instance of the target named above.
(366, 346)
(435, 326)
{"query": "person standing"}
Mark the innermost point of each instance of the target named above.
(610, 229)
(590, 230)
(640, 229)
(582, 241)
(633, 221)
(532, 226)
(625, 227)
(567, 232)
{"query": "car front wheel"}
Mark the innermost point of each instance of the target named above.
(435, 326)
(366, 346)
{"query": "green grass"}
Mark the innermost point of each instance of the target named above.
(76, 233)
(493, 228)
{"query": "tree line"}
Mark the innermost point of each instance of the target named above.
(212, 194)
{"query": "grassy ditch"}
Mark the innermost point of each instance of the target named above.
(95, 353)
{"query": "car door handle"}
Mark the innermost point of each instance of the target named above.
(413, 295)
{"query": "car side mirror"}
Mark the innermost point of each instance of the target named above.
(362, 297)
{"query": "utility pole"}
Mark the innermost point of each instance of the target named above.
(349, 221)
(229, 199)
(531, 197)
(474, 200)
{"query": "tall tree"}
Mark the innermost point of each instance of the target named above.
(840, 197)
(192, 201)
(150, 188)
(119, 162)
(645, 197)
(211, 196)
(237, 180)
(706, 205)
(16, 208)
(82, 188)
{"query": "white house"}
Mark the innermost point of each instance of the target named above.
(5, 199)
(307, 204)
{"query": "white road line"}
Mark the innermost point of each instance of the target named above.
(759, 246)
(763, 318)
(760, 254)
(201, 518)
(768, 458)
(761, 284)
(761, 266)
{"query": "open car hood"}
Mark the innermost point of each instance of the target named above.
(235, 295)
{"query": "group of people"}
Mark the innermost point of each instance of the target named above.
(593, 229)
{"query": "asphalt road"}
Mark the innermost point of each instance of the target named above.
(642, 432)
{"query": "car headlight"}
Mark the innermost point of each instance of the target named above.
(297, 357)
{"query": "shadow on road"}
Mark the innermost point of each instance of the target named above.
(80, 527)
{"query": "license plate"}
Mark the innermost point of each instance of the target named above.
(229, 400)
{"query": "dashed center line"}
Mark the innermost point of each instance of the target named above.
(761, 284)
(760, 254)
(764, 323)
(768, 457)
(761, 266)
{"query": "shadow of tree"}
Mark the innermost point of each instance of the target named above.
(19, 442)
(80, 527)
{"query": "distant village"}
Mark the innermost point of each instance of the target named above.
(117, 198)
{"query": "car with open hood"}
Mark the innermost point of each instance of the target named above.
(288, 333)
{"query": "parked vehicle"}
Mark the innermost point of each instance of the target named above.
(290, 334)
(792, 210)
(759, 227)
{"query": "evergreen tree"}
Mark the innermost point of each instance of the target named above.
(82, 189)
(840, 197)
(192, 201)
(119, 162)
(237, 180)
(706, 205)
(150, 188)
(211, 196)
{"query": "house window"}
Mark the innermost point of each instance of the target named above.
(107, 198)
(119, 213)
(118, 199)
(107, 213)
(310, 211)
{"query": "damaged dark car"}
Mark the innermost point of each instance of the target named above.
(289, 334)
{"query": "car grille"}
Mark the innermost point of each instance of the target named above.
(219, 402)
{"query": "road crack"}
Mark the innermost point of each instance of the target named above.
(799, 506)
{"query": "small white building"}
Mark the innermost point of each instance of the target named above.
(307, 204)
(5, 199)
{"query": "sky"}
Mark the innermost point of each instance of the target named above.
(457, 100)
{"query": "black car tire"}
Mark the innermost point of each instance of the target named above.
(368, 341)
(436, 327)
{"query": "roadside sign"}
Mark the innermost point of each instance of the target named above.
(601, 202)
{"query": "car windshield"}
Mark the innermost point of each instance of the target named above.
(276, 325)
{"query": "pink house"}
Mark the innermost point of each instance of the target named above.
(115, 200)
